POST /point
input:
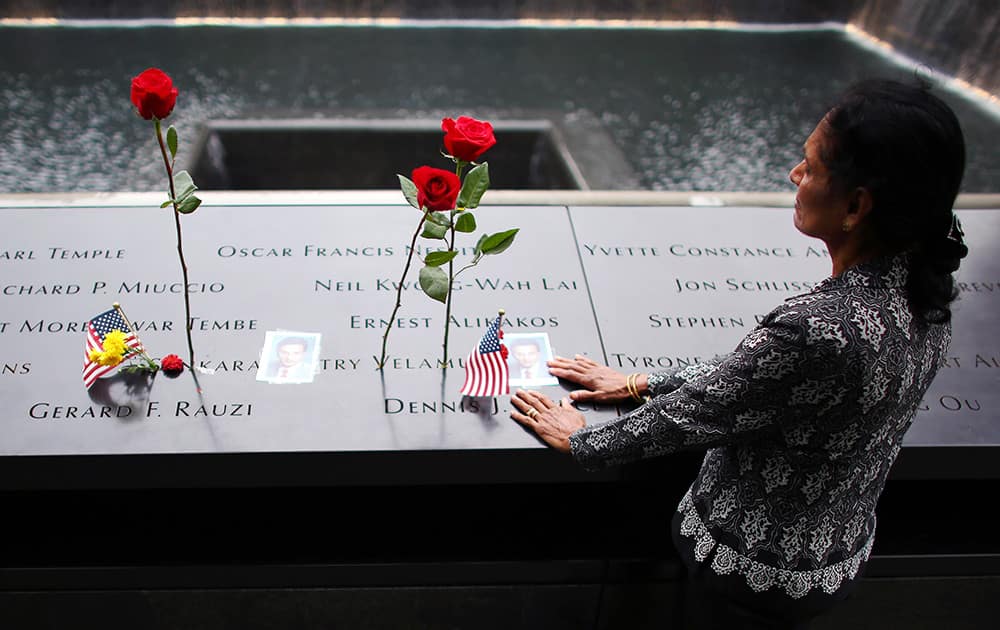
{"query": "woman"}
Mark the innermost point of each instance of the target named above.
(803, 420)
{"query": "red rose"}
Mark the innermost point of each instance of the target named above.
(172, 363)
(153, 94)
(467, 138)
(437, 189)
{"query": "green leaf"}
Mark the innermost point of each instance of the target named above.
(499, 242)
(476, 183)
(409, 190)
(189, 205)
(432, 230)
(439, 218)
(172, 141)
(479, 244)
(436, 259)
(183, 185)
(466, 222)
(434, 282)
(166, 203)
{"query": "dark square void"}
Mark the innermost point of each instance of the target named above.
(356, 154)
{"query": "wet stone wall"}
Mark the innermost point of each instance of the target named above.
(739, 10)
(959, 38)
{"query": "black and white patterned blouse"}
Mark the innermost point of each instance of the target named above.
(802, 423)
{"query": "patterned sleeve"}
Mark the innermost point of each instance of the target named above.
(780, 373)
(667, 381)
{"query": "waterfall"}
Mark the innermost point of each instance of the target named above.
(957, 38)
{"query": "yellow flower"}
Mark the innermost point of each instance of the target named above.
(109, 359)
(114, 342)
(114, 350)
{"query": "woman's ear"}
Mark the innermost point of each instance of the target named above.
(859, 204)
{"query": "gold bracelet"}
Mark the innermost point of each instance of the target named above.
(633, 387)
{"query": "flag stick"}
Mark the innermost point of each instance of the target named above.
(142, 348)
(118, 307)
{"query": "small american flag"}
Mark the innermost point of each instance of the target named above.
(486, 367)
(97, 329)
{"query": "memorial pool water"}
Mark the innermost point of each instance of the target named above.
(714, 110)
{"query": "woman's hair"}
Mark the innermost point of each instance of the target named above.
(905, 146)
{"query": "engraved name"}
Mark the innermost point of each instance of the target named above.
(951, 403)
(678, 321)
(620, 250)
(17, 254)
(187, 409)
(528, 321)
(182, 408)
(198, 323)
(41, 289)
(684, 250)
(978, 287)
(49, 326)
(733, 284)
(987, 361)
(159, 287)
(171, 287)
(15, 369)
(481, 284)
(325, 252)
(466, 405)
(619, 359)
(49, 411)
(62, 253)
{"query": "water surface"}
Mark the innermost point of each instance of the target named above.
(690, 109)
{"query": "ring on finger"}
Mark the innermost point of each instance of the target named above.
(531, 413)
(540, 399)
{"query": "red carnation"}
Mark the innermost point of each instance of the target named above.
(172, 364)
(153, 94)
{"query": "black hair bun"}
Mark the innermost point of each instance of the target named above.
(945, 254)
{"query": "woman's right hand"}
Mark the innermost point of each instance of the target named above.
(602, 383)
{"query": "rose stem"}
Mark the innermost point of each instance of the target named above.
(399, 290)
(180, 246)
(451, 270)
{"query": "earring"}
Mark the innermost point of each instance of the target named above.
(846, 226)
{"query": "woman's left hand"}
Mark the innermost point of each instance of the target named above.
(552, 422)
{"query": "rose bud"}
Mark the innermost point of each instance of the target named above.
(153, 94)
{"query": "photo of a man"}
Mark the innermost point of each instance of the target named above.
(526, 361)
(289, 357)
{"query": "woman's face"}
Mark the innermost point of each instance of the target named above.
(820, 208)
